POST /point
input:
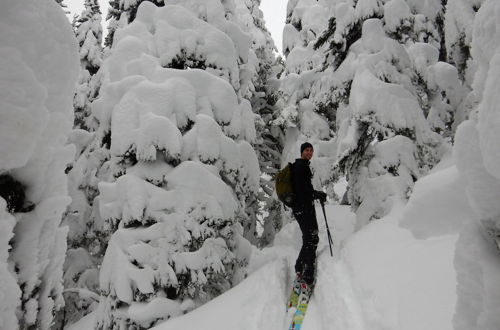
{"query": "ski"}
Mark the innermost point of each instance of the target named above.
(294, 295)
(291, 305)
(302, 304)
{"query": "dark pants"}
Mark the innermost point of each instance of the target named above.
(306, 262)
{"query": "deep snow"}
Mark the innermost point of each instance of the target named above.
(396, 273)
(426, 265)
(399, 272)
(38, 70)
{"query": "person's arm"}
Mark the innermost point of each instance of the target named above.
(305, 186)
(320, 195)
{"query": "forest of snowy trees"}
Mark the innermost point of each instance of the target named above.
(137, 167)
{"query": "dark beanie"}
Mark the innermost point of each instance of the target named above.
(305, 145)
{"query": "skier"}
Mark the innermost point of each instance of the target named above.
(305, 214)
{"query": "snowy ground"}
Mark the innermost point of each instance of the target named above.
(396, 273)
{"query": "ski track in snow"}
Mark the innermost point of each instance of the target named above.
(349, 294)
(259, 302)
(335, 304)
(332, 305)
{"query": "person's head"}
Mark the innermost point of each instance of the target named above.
(306, 151)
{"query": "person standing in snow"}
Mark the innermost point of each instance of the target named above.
(305, 214)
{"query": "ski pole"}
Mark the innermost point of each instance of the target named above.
(330, 240)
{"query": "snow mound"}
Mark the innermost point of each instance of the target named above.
(36, 93)
(262, 306)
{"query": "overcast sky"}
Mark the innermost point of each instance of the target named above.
(274, 14)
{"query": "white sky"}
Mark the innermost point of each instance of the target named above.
(274, 15)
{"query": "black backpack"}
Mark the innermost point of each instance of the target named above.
(284, 185)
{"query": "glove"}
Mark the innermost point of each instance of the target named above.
(320, 195)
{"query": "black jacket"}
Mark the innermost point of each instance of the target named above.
(304, 193)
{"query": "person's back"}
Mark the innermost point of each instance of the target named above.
(305, 214)
(302, 186)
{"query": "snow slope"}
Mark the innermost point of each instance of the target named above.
(259, 301)
(392, 274)
(417, 268)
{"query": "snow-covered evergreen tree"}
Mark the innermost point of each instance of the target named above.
(112, 17)
(38, 65)
(80, 269)
(270, 139)
(475, 148)
(459, 21)
(474, 35)
(262, 67)
(87, 235)
(182, 169)
(269, 144)
(420, 27)
(395, 100)
(302, 118)
(89, 35)
(122, 12)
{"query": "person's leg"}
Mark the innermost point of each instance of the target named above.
(306, 261)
